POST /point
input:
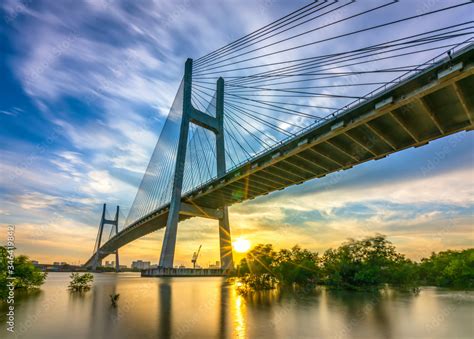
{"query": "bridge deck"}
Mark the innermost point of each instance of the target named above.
(435, 103)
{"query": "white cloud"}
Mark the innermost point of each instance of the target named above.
(101, 182)
(36, 200)
(443, 188)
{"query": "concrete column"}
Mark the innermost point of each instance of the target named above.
(169, 241)
(98, 262)
(225, 241)
(117, 264)
(220, 145)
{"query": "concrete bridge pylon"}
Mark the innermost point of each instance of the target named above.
(216, 125)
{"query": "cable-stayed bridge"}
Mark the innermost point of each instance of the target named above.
(326, 87)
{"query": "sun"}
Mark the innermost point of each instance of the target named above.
(241, 245)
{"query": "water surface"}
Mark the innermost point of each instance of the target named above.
(211, 308)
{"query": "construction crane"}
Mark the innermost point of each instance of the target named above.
(195, 256)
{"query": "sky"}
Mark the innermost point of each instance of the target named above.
(85, 89)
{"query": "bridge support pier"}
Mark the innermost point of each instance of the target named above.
(177, 207)
(225, 241)
(103, 221)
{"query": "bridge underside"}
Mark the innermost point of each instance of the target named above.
(436, 103)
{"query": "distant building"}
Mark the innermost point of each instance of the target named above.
(217, 265)
(34, 262)
(140, 265)
(110, 264)
(59, 263)
(123, 267)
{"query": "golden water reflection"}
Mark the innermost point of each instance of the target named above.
(212, 308)
(238, 314)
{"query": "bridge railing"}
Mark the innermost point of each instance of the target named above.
(405, 76)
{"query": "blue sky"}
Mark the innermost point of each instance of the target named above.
(85, 88)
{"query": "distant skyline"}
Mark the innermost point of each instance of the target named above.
(86, 87)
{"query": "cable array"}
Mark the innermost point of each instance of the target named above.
(156, 185)
(313, 63)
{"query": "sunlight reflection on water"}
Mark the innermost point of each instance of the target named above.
(211, 308)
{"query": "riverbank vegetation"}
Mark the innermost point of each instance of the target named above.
(448, 269)
(25, 275)
(364, 264)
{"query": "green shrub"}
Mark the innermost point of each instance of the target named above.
(367, 263)
(80, 282)
(255, 282)
(448, 269)
(297, 266)
(26, 275)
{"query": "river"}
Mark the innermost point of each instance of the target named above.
(211, 308)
